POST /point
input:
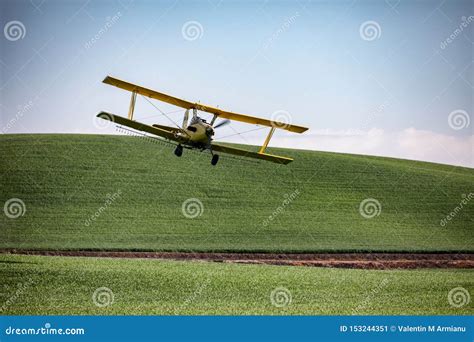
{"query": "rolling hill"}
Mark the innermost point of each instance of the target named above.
(121, 192)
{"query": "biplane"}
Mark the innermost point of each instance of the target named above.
(195, 132)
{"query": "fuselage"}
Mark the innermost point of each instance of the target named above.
(199, 131)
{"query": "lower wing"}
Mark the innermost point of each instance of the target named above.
(170, 134)
(155, 130)
(250, 154)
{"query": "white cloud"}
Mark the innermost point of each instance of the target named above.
(410, 143)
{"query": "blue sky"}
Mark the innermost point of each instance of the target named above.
(390, 78)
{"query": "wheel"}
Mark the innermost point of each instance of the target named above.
(178, 151)
(215, 159)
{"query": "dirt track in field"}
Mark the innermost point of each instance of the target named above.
(342, 260)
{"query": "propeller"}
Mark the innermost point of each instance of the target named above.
(210, 130)
(222, 123)
(185, 119)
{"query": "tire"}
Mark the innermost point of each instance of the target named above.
(215, 159)
(178, 151)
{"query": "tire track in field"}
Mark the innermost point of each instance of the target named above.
(341, 260)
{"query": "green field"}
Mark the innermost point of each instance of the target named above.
(65, 285)
(125, 193)
(64, 180)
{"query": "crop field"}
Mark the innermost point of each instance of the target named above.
(130, 195)
(102, 286)
(125, 193)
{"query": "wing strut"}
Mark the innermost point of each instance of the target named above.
(267, 140)
(132, 105)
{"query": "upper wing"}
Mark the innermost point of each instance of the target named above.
(148, 92)
(141, 127)
(250, 119)
(188, 105)
(255, 155)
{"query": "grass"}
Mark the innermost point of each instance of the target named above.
(64, 180)
(65, 285)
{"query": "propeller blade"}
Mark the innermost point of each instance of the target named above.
(185, 119)
(222, 123)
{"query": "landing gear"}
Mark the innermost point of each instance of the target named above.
(215, 159)
(179, 150)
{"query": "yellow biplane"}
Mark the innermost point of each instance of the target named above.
(197, 134)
